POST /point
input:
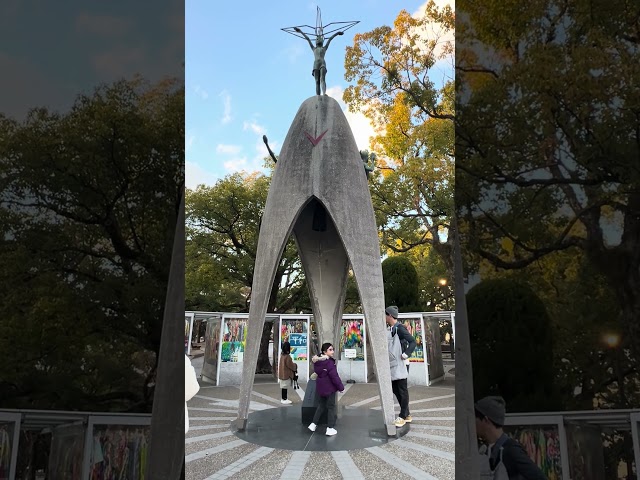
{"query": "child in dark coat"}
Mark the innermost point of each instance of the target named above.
(327, 384)
(287, 371)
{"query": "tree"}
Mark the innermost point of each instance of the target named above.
(412, 191)
(223, 223)
(401, 284)
(547, 140)
(511, 345)
(89, 210)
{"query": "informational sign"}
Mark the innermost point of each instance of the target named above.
(350, 353)
(298, 339)
(294, 331)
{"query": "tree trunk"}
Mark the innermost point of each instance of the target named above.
(263, 365)
(466, 441)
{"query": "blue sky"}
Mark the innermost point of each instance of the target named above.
(245, 77)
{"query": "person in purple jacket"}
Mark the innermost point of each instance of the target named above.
(327, 384)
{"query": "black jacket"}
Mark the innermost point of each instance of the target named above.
(406, 339)
(518, 464)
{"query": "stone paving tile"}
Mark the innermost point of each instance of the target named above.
(205, 467)
(321, 465)
(269, 467)
(431, 420)
(275, 392)
(438, 467)
(240, 465)
(221, 427)
(402, 465)
(347, 468)
(442, 446)
(195, 447)
(432, 431)
(213, 402)
(374, 467)
(227, 393)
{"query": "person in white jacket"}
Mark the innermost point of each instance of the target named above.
(191, 387)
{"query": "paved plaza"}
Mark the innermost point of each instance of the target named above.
(212, 451)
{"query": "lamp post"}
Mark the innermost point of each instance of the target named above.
(612, 340)
(445, 293)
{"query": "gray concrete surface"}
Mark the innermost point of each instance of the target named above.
(426, 452)
(320, 175)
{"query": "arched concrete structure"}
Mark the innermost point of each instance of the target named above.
(319, 192)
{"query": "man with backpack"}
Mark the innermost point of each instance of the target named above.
(507, 459)
(397, 335)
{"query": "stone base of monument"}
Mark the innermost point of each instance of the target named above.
(309, 405)
(282, 428)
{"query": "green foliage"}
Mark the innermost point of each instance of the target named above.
(401, 284)
(547, 126)
(412, 189)
(88, 216)
(223, 223)
(512, 345)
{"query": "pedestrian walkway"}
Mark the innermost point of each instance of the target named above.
(212, 451)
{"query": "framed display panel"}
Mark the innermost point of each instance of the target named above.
(188, 331)
(544, 438)
(635, 435)
(9, 438)
(212, 349)
(295, 330)
(585, 451)
(353, 336)
(433, 348)
(67, 451)
(233, 332)
(418, 367)
(116, 447)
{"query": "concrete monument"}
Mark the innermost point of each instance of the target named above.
(319, 194)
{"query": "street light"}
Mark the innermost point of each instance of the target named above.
(445, 293)
(612, 340)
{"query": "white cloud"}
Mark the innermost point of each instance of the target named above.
(228, 149)
(195, 175)
(259, 129)
(360, 125)
(203, 93)
(236, 164)
(226, 101)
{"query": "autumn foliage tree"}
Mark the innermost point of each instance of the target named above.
(548, 144)
(394, 70)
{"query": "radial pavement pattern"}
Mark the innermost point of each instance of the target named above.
(212, 451)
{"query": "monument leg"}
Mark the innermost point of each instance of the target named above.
(276, 227)
(364, 254)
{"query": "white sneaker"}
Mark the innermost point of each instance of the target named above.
(312, 427)
(331, 431)
(286, 402)
(400, 422)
